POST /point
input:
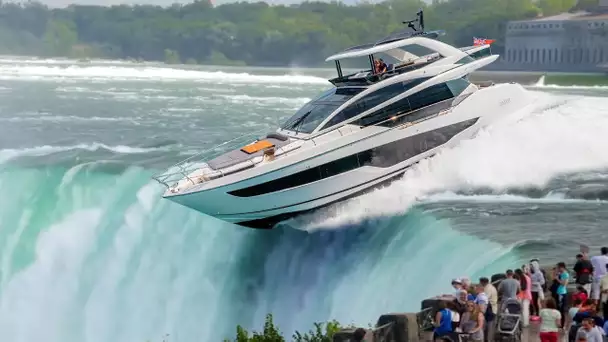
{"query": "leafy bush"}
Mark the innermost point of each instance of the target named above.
(322, 332)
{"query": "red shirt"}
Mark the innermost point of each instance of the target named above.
(581, 295)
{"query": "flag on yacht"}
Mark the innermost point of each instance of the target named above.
(482, 41)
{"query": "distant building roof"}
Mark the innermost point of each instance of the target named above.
(580, 15)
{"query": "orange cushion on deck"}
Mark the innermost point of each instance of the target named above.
(260, 145)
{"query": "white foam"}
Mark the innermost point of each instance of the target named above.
(265, 99)
(142, 73)
(502, 198)
(572, 87)
(525, 151)
(8, 154)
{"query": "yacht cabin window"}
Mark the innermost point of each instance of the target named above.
(372, 100)
(307, 118)
(425, 98)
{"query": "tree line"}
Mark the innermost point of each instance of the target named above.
(247, 33)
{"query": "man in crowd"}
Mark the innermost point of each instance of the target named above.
(485, 305)
(589, 331)
(584, 272)
(509, 287)
(491, 293)
(600, 267)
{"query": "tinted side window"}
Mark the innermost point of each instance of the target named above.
(433, 94)
(397, 108)
(372, 100)
(338, 94)
(457, 86)
(309, 117)
(366, 102)
(432, 100)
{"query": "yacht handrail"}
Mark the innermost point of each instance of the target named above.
(183, 171)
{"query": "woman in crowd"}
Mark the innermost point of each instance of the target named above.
(524, 295)
(538, 281)
(550, 321)
(562, 277)
(472, 322)
(580, 294)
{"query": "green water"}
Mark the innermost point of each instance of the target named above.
(90, 252)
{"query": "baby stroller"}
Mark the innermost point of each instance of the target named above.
(509, 326)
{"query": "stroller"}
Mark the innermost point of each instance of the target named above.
(509, 326)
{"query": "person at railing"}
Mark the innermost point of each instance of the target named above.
(443, 321)
(461, 300)
(457, 285)
(454, 311)
(473, 321)
(492, 308)
(490, 290)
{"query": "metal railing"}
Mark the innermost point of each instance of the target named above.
(182, 169)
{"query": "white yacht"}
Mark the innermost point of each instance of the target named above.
(365, 131)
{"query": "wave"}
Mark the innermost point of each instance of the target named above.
(38, 151)
(145, 73)
(265, 99)
(524, 151)
(89, 256)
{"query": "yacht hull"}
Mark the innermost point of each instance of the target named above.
(324, 174)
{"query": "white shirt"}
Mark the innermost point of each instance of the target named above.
(482, 298)
(492, 294)
(599, 262)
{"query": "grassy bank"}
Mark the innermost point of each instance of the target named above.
(577, 79)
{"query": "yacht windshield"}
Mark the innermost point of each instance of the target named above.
(314, 112)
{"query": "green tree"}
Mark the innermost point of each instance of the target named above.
(60, 37)
(248, 33)
(172, 57)
(322, 332)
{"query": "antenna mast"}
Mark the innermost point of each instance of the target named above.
(419, 19)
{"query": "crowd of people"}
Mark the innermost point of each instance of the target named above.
(543, 298)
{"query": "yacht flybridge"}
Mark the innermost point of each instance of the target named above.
(366, 130)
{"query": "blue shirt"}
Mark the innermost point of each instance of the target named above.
(445, 323)
(561, 289)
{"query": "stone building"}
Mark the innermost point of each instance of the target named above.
(565, 42)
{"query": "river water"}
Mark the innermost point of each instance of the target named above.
(91, 253)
